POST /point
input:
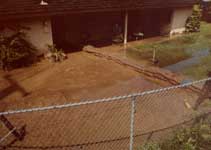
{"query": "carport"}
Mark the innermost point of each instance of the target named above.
(72, 32)
(75, 31)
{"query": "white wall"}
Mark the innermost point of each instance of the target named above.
(179, 18)
(38, 33)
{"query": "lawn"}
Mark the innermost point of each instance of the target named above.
(203, 41)
(200, 70)
(177, 49)
(167, 52)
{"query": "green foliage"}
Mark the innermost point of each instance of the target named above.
(196, 137)
(56, 55)
(203, 42)
(193, 22)
(177, 49)
(150, 146)
(15, 51)
(199, 71)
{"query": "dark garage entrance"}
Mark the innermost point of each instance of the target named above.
(73, 32)
(150, 22)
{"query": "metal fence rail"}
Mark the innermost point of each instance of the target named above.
(111, 123)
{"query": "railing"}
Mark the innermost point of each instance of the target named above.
(121, 122)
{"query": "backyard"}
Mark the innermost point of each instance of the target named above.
(80, 78)
(84, 76)
(104, 75)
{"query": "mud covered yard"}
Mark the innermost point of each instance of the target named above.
(81, 76)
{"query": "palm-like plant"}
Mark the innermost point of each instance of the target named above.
(15, 51)
(55, 55)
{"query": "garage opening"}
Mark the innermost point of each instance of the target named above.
(150, 22)
(73, 32)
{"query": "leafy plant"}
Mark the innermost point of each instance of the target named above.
(150, 146)
(55, 55)
(194, 21)
(197, 137)
(15, 51)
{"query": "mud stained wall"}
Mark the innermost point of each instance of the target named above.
(38, 32)
(179, 19)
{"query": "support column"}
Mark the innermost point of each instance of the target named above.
(126, 28)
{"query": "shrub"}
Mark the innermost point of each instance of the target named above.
(193, 22)
(55, 55)
(197, 137)
(150, 146)
(15, 51)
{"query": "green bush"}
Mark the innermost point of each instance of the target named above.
(55, 55)
(15, 51)
(196, 137)
(194, 21)
(150, 146)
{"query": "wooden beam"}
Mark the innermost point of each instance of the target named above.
(10, 127)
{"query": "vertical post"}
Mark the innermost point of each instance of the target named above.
(153, 57)
(126, 28)
(172, 23)
(132, 121)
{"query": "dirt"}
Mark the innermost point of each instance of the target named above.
(81, 76)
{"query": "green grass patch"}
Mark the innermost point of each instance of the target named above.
(177, 49)
(203, 41)
(202, 38)
(167, 52)
(200, 70)
(164, 56)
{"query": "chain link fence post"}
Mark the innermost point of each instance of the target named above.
(132, 121)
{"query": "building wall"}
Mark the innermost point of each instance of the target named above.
(38, 32)
(179, 18)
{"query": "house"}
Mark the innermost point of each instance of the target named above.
(74, 23)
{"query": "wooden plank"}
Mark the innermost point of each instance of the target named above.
(10, 127)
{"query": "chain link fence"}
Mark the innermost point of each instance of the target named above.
(118, 123)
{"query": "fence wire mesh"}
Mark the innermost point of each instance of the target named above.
(123, 122)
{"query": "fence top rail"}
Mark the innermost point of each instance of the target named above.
(103, 100)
